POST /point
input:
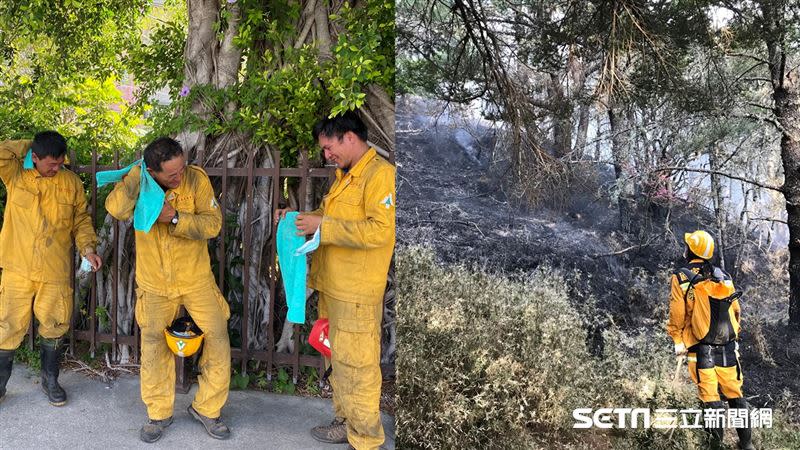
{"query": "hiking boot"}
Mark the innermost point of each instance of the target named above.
(335, 433)
(214, 427)
(153, 429)
(50, 354)
(6, 362)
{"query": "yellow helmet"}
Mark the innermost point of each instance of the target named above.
(700, 243)
(184, 337)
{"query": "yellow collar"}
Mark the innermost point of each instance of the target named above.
(359, 167)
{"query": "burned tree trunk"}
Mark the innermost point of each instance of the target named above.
(719, 203)
(787, 100)
(786, 95)
(620, 154)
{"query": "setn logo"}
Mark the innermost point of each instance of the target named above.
(611, 417)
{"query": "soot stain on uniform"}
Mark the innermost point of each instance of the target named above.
(48, 242)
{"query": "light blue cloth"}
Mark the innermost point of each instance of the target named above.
(292, 250)
(86, 266)
(309, 246)
(151, 196)
(28, 164)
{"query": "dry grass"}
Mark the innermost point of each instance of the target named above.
(485, 361)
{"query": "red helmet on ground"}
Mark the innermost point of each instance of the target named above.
(318, 338)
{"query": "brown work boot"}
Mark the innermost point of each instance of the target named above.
(335, 433)
(215, 428)
(153, 429)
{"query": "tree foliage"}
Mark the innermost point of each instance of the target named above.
(61, 65)
(284, 85)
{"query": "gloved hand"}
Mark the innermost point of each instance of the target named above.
(680, 349)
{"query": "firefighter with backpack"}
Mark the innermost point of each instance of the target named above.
(704, 323)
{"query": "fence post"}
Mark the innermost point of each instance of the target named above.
(93, 288)
(247, 241)
(115, 282)
(273, 275)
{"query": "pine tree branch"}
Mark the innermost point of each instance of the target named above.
(722, 174)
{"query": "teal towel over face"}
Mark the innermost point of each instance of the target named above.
(151, 196)
(292, 251)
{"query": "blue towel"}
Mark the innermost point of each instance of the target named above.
(151, 196)
(28, 164)
(292, 260)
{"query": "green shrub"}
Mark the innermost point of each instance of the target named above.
(485, 361)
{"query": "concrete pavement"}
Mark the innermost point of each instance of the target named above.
(108, 416)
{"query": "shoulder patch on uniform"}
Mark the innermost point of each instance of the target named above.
(387, 201)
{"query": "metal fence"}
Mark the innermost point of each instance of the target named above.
(243, 354)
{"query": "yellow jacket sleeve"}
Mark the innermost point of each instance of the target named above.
(11, 155)
(677, 311)
(122, 199)
(83, 229)
(206, 221)
(378, 229)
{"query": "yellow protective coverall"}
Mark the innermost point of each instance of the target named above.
(349, 270)
(41, 217)
(173, 269)
(697, 311)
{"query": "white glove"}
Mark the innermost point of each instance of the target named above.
(680, 349)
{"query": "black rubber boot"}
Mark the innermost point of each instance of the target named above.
(715, 434)
(6, 361)
(745, 434)
(51, 351)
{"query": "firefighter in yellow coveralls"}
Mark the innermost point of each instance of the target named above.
(173, 269)
(357, 235)
(45, 208)
(704, 323)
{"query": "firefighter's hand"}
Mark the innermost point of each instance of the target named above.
(307, 224)
(281, 213)
(95, 260)
(167, 213)
(680, 349)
